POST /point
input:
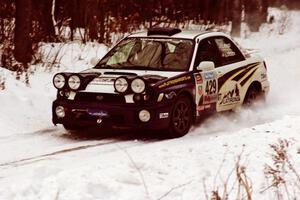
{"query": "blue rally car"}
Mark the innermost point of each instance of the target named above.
(162, 79)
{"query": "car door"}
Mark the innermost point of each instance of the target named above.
(206, 82)
(231, 62)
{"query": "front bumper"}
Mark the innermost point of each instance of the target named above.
(122, 116)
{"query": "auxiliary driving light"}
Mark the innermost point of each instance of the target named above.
(138, 85)
(74, 82)
(60, 112)
(121, 84)
(59, 81)
(144, 115)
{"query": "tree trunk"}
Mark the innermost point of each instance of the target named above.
(22, 40)
(91, 19)
(236, 18)
(101, 17)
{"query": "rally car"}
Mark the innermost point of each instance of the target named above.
(162, 79)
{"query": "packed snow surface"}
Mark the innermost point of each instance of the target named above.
(41, 161)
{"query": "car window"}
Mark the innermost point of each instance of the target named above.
(150, 54)
(123, 53)
(207, 51)
(229, 53)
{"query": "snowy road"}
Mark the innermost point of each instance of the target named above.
(40, 161)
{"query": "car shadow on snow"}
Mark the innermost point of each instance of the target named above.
(94, 133)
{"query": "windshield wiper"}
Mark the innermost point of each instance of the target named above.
(98, 66)
(137, 67)
(132, 67)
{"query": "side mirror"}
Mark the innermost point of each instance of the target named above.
(206, 66)
(94, 61)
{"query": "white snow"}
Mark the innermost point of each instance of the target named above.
(41, 161)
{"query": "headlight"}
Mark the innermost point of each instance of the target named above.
(121, 85)
(59, 81)
(60, 112)
(74, 82)
(144, 115)
(138, 85)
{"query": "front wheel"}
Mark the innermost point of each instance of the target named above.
(71, 127)
(181, 118)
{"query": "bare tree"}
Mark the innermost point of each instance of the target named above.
(236, 18)
(22, 40)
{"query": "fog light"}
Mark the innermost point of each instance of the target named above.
(144, 115)
(60, 111)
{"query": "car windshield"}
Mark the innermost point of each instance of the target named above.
(149, 54)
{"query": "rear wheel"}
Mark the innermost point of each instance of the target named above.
(181, 117)
(253, 94)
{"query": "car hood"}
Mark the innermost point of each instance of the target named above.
(104, 81)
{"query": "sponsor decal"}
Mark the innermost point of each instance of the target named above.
(231, 97)
(200, 90)
(200, 108)
(211, 87)
(174, 81)
(209, 75)
(263, 76)
(248, 77)
(236, 74)
(210, 98)
(198, 78)
(102, 80)
(163, 115)
(98, 113)
(171, 95)
(207, 106)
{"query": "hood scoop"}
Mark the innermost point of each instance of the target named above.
(121, 73)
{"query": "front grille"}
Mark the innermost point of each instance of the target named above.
(99, 98)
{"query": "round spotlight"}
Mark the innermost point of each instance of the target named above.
(138, 85)
(74, 82)
(144, 115)
(121, 84)
(60, 112)
(59, 81)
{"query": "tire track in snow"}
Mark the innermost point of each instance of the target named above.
(46, 156)
(123, 139)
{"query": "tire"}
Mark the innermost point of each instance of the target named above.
(181, 118)
(253, 95)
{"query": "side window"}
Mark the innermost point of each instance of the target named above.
(229, 53)
(207, 51)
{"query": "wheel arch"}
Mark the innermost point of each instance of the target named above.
(255, 84)
(189, 95)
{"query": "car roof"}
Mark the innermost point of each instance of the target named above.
(184, 34)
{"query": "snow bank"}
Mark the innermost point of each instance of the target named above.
(27, 109)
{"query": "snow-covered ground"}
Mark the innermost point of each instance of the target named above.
(41, 161)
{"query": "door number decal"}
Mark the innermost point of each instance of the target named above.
(211, 87)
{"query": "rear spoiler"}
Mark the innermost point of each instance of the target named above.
(252, 51)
